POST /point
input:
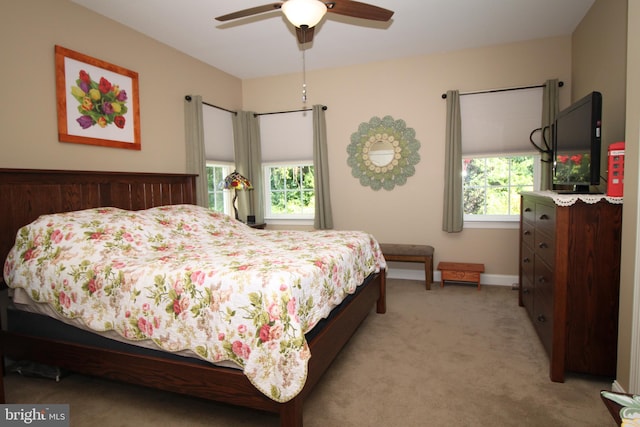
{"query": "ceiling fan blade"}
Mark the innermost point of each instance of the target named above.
(357, 9)
(305, 34)
(251, 11)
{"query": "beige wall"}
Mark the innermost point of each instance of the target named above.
(28, 32)
(599, 58)
(628, 337)
(411, 90)
(606, 57)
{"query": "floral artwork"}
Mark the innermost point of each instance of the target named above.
(395, 139)
(97, 101)
(101, 103)
(189, 279)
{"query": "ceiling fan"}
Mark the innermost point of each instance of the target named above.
(306, 14)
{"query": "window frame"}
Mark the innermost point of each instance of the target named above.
(227, 195)
(501, 221)
(297, 218)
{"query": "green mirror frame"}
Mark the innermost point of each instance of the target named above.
(383, 153)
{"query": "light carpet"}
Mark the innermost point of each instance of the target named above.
(451, 356)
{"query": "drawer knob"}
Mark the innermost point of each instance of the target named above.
(544, 216)
(526, 291)
(526, 260)
(541, 279)
(527, 209)
(543, 245)
(541, 318)
(527, 233)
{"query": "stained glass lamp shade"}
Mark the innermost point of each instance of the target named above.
(235, 181)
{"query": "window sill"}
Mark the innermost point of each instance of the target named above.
(289, 221)
(493, 224)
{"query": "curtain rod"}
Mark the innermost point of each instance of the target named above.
(324, 107)
(188, 98)
(444, 95)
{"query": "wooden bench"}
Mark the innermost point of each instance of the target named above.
(411, 253)
(460, 272)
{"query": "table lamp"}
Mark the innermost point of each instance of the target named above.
(235, 181)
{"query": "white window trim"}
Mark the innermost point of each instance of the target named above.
(502, 221)
(228, 195)
(289, 219)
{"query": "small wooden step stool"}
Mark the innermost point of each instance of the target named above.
(460, 272)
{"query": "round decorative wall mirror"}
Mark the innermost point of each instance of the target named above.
(383, 153)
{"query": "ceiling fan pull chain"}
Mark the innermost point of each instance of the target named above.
(304, 78)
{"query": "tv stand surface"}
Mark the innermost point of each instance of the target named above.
(577, 192)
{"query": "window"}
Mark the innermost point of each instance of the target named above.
(491, 186)
(218, 198)
(289, 190)
(499, 161)
(288, 181)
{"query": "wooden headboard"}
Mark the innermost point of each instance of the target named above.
(26, 194)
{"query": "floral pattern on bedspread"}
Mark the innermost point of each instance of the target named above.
(189, 278)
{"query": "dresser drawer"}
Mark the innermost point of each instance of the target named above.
(526, 263)
(543, 323)
(544, 246)
(545, 218)
(543, 282)
(528, 210)
(527, 230)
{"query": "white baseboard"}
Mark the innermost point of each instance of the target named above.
(617, 387)
(485, 279)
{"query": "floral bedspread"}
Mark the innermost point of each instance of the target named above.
(192, 279)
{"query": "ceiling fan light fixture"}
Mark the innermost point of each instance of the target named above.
(304, 12)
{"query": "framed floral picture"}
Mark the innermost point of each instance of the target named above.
(97, 101)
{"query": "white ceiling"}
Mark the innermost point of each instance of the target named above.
(265, 45)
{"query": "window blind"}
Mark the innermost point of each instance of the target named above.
(287, 137)
(218, 134)
(496, 123)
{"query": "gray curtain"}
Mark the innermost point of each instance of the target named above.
(323, 217)
(452, 214)
(195, 154)
(248, 160)
(550, 107)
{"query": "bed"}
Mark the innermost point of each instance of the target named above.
(28, 194)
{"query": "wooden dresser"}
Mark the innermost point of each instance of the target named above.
(569, 279)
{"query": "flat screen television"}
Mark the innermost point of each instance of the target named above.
(576, 145)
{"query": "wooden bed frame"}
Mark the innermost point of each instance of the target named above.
(26, 194)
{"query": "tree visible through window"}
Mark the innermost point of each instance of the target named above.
(290, 191)
(492, 185)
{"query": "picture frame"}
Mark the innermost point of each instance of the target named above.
(97, 102)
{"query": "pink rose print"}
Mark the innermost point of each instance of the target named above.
(274, 311)
(64, 299)
(145, 326)
(198, 277)
(264, 333)
(56, 236)
(291, 306)
(240, 349)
